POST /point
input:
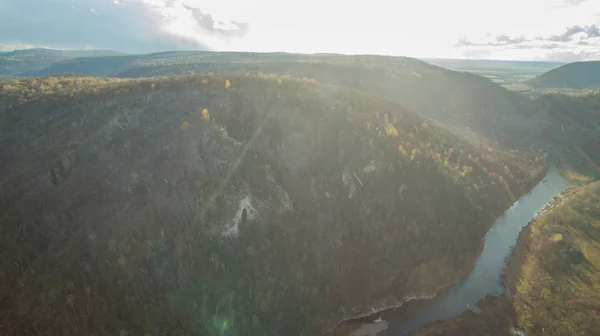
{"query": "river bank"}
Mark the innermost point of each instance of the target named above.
(389, 312)
(518, 254)
(495, 317)
(537, 293)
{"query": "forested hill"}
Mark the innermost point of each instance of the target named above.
(578, 75)
(231, 205)
(571, 127)
(453, 97)
(458, 98)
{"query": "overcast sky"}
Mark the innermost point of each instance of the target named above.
(565, 30)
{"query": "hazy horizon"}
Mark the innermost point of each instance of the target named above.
(123, 53)
(539, 30)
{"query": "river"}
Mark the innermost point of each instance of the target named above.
(485, 276)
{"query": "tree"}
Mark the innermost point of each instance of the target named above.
(54, 177)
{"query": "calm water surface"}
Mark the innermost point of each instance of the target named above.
(484, 279)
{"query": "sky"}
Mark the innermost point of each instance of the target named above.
(549, 30)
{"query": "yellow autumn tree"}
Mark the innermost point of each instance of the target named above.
(205, 114)
(402, 150)
(390, 130)
(185, 125)
(227, 84)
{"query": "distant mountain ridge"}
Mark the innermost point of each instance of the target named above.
(62, 52)
(578, 75)
(16, 62)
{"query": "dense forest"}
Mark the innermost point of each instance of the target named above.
(458, 98)
(452, 97)
(571, 128)
(467, 101)
(231, 205)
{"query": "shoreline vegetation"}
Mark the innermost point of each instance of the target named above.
(347, 326)
(574, 176)
(552, 276)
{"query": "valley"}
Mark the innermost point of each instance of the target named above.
(258, 193)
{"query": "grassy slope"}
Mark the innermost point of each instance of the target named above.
(577, 75)
(553, 274)
(126, 204)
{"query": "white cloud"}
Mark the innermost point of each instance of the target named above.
(425, 28)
